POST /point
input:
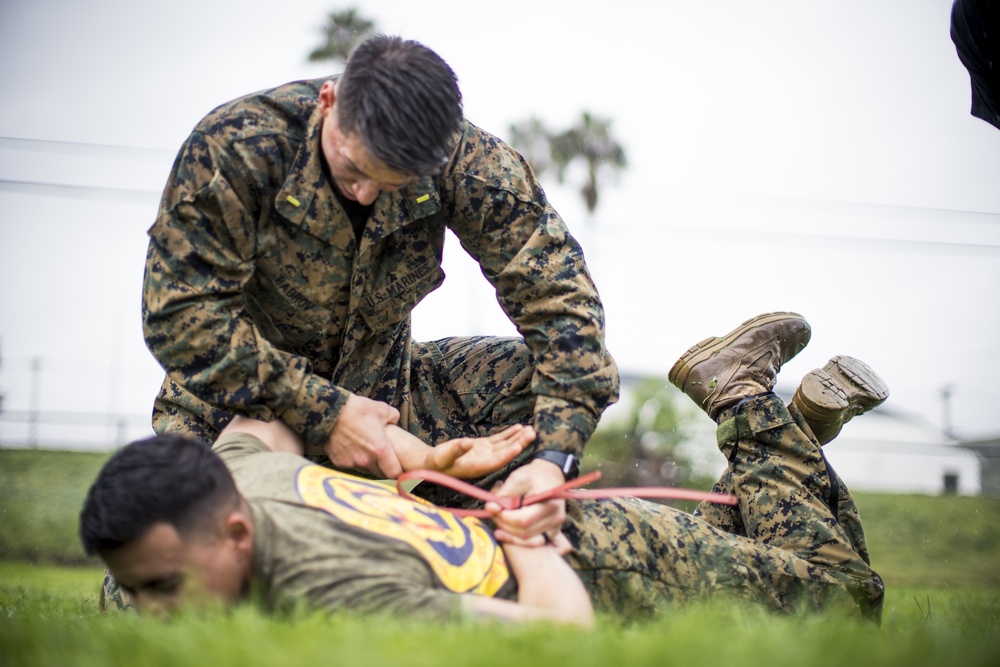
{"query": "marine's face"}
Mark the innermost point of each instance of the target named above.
(356, 174)
(163, 572)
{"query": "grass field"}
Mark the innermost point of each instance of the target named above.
(940, 558)
(41, 493)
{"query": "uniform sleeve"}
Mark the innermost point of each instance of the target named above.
(233, 446)
(393, 597)
(502, 218)
(201, 255)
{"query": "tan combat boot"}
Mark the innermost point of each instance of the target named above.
(829, 397)
(719, 372)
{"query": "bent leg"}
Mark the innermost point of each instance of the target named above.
(724, 517)
(469, 386)
(841, 502)
(790, 498)
(638, 558)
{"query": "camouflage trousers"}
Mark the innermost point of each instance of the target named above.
(793, 542)
(458, 387)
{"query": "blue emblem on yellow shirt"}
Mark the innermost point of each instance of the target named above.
(460, 551)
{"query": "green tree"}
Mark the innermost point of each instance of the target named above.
(589, 140)
(643, 448)
(343, 30)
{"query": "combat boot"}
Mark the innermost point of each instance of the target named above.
(719, 372)
(113, 598)
(829, 397)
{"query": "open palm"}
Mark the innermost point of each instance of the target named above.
(475, 457)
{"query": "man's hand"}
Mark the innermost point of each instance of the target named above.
(358, 440)
(474, 457)
(530, 525)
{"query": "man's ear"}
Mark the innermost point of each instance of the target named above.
(237, 531)
(327, 96)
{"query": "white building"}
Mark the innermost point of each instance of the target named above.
(880, 452)
(884, 451)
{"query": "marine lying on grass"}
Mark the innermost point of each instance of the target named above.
(177, 522)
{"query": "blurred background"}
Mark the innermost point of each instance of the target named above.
(716, 160)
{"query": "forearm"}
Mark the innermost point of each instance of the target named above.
(410, 450)
(563, 425)
(562, 320)
(546, 582)
(525, 250)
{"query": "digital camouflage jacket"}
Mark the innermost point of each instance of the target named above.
(259, 300)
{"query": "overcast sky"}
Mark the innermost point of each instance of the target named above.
(783, 155)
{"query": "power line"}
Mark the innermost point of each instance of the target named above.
(722, 236)
(715, 235)
(55, 145)
(856, 207)
(78, 191)
(77, 147)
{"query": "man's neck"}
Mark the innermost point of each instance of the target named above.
(357, 213)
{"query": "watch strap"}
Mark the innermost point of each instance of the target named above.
(568, 463)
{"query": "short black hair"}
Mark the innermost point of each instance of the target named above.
(163, 479)
(403, 101)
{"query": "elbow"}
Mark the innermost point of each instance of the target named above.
(583, 618)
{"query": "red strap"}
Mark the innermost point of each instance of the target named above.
(567, 490)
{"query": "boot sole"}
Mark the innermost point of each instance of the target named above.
(710, 346)
(843, 384)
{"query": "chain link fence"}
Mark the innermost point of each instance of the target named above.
(71, 430)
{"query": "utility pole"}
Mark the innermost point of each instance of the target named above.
(946, 404)
(36, 386)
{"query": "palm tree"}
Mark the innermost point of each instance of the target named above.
(589, 139)
(343, 30)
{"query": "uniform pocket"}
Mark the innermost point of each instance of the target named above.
(388, 305)
(282, 314)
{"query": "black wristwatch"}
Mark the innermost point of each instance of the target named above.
(568, 463)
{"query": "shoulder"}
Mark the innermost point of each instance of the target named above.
(483, 158)
(238, 450)
(238, 444)
(283, 110)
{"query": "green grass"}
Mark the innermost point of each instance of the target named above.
(927, 541)
(933, 540)
(50, 617)
(939, 556)
(41, 493)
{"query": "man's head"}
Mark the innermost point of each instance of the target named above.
(393, 116)
(166, 518)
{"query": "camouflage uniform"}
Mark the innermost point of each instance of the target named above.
(794, 541)
(636, 558)
(259, 298)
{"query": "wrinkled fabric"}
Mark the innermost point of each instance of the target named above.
(343, 544)
(259, 299)
(795, 546)
(782, 546)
